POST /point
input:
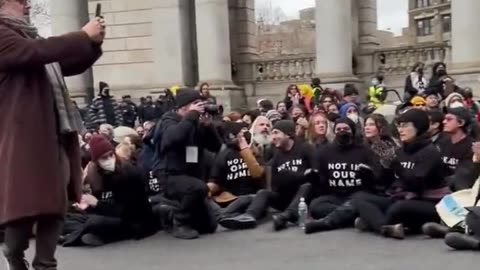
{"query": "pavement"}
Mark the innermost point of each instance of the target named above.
(264, 249)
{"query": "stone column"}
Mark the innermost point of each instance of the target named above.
(213, 42)
(334, 41)
(465, 46)
(69, 16)
(172, 42)
(367, 17)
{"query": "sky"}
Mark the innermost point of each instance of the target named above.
(392, 14)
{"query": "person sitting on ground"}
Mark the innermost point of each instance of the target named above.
(344, 168)
(350, 95)
(415, 83)
(264, 105)
(288, 181)
(116, 206)
(325, 101)
(317, 132)
(282, 109)
(435, 131)
(419, 185)
(432, 101)
(472, 105)
(237, 175)
(273, 116)
(262, 138)
(418, 102)
(454, 100)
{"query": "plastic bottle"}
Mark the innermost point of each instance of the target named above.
(302, 213)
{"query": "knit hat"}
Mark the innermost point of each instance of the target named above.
(418, 100)
(231, 129)
(461, 114)
(419, 119)
(453, 96)
(186, 96)
(348, 121)
(285, 126)
(121, 132)
(273, 115)
(99, 146)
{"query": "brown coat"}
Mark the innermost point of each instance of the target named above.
(33, 179)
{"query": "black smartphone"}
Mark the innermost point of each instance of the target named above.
(98, 11)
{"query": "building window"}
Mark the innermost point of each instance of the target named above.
(424, 27)
(423, 3)
(447, 23)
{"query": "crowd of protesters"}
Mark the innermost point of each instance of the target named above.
(182, 165)
(171, 166)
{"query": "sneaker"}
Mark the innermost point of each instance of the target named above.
(360, 225)
(435, 230)
(92, 240)
(240, 222)
(460, 241)
(393, 231)
(185, 232)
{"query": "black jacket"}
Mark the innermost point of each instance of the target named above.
(418, 167)
(172, 138)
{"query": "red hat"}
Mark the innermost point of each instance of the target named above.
(99, 146)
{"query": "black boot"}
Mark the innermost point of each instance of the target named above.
(165, 216)
(394, 231)
(320, 225)
(462, 241)
(280, 221)
(240, 222)
(184, 232)
(435, 230)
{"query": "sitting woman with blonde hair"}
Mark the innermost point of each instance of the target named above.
(318, 130)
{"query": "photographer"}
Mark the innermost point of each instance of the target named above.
(180, 142)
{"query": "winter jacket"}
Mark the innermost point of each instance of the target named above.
(99, 110)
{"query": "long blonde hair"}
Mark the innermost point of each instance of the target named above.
(311, 135)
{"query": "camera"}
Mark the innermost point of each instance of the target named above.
(213, 109)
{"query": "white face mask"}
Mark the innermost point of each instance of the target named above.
(375, 82)
(354, 117)
(107, 164)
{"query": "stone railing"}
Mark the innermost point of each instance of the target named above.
(400, 60)
(296, 68)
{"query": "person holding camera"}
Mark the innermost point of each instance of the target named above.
(180, 141)
(33, 92)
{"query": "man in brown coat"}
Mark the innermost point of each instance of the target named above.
(39, 149)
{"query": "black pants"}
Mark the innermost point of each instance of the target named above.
(338, 210)
(233, 208)
(284, 202)
(377, 211)
(194, 208)
(17, 237)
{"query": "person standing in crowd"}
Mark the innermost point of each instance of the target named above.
(415, 83)
(265, 105)
(435, 131)
(116, 207)
(164, 103)
(237, 175)
(317, 90)
(419, 185)
(437, 84)
(33, 90)
(454, 100)
(129, 112)
(128, 99)
(344, 168)
(282, 109)
(149, 111)
(350, 95)
(288, 181)
(472, 105)
(376, 94)
(325, 101)
(293, 97)
(205, 92)
(273, 116)
(104, 109)
(180, 143)
(250, 117)
(432, 101)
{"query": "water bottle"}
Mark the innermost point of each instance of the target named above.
(302, 213)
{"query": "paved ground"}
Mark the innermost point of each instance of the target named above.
(265, 250)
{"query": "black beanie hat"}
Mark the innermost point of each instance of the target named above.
(286, 126)
(419, 119)
(348, 121)
(232, 129)
(461, 114)
(102, 85)
(186, 96)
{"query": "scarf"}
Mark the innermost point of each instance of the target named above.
(385, 150)
(68, 117)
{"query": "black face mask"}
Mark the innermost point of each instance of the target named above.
(441, 72)
(331, 116)
(344, 138)
(420, 71)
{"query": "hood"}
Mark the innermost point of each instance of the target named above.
(345, 107)
(101, 86)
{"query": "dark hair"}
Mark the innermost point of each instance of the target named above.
(202, 85)
(253, 114)
(288, 89)
(316, 81)
(278, 104)
(417, 64)
(266, 104)
(382, 125)
(436, 116)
